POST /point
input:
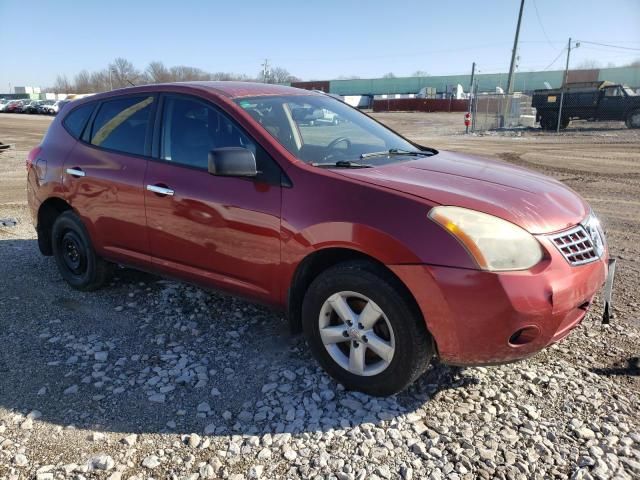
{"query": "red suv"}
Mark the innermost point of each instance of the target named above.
(385, 253)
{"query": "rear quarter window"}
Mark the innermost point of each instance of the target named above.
(76, 119)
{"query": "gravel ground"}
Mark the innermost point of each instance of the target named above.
(150, 378)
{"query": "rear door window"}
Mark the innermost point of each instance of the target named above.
(122, 124)
(76, 120)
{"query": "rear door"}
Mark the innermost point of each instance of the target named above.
(104, 176)
(221, 231)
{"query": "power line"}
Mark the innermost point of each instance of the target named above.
(555, 59)
(610, 46)
(535, 5)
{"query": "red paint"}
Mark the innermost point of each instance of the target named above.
(248, 238)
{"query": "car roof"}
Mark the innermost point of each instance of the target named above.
(221, 88)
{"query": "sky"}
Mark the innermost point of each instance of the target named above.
(318, 39)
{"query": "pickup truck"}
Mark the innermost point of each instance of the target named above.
(592, 101)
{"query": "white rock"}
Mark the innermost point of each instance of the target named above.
(193, 440)
(207, 471)
(96, 436)
(21, 460)
(256, 471)
(101, 462)
(289, 375)
(130, 440)
(151, 462)
(264, 454)
(157, 398)
(101, 356)
(27, 424)
(71, 390)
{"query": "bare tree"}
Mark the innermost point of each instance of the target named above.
(123, 73)
(156, 72)
(183, 73)
(82, 82)
(278, 75)
(100, 81)
(230, 76)
(62, 84)
(420, 73)
(588, 64)
(635, 63)
(389, 75)
(348, 77)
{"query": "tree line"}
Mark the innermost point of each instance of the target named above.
(122, 73)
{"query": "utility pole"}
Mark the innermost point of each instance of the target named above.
(514, 51)
(564, 84)
(473, 72)
(265, 71)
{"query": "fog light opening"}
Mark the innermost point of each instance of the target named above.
(523, 336)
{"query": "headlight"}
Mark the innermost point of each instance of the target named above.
(594, 230)
(495, 244)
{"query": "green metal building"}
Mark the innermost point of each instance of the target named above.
(487, 82)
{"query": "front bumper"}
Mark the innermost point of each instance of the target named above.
(480, 318)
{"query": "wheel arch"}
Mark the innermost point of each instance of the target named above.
(319, 261)
(48, 211)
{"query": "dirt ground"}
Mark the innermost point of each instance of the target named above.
(64, 408)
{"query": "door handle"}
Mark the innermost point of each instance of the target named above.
(160, 190)
(75, 172)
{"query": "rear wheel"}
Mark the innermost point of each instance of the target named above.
(363, 330)
(77, 261)
(633, 119)
(548, 122)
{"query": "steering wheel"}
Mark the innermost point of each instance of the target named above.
(332, 147)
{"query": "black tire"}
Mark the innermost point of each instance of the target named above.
(546, 122)
(413, 344)
(631, 120)
(77, 261)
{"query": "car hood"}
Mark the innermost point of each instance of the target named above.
(532, 201)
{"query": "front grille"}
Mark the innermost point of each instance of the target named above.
(576, 246)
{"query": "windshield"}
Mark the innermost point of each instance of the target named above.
(319, 129)
(629, 92)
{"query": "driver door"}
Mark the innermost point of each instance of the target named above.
(611, 104)
(220, 231)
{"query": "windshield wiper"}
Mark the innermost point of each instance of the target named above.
(341, 164)
(395, 151)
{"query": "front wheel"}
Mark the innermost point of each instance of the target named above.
(364, 331)
(633, 119)
(77, 261)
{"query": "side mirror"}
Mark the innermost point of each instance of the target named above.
(232, 162)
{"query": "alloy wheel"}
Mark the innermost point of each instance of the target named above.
(356, 333)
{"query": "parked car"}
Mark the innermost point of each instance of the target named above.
(32, 106)
(384, 252)
(55, 107)
(592, 101)
(14, 106)
(43, 108)
(3, 104)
